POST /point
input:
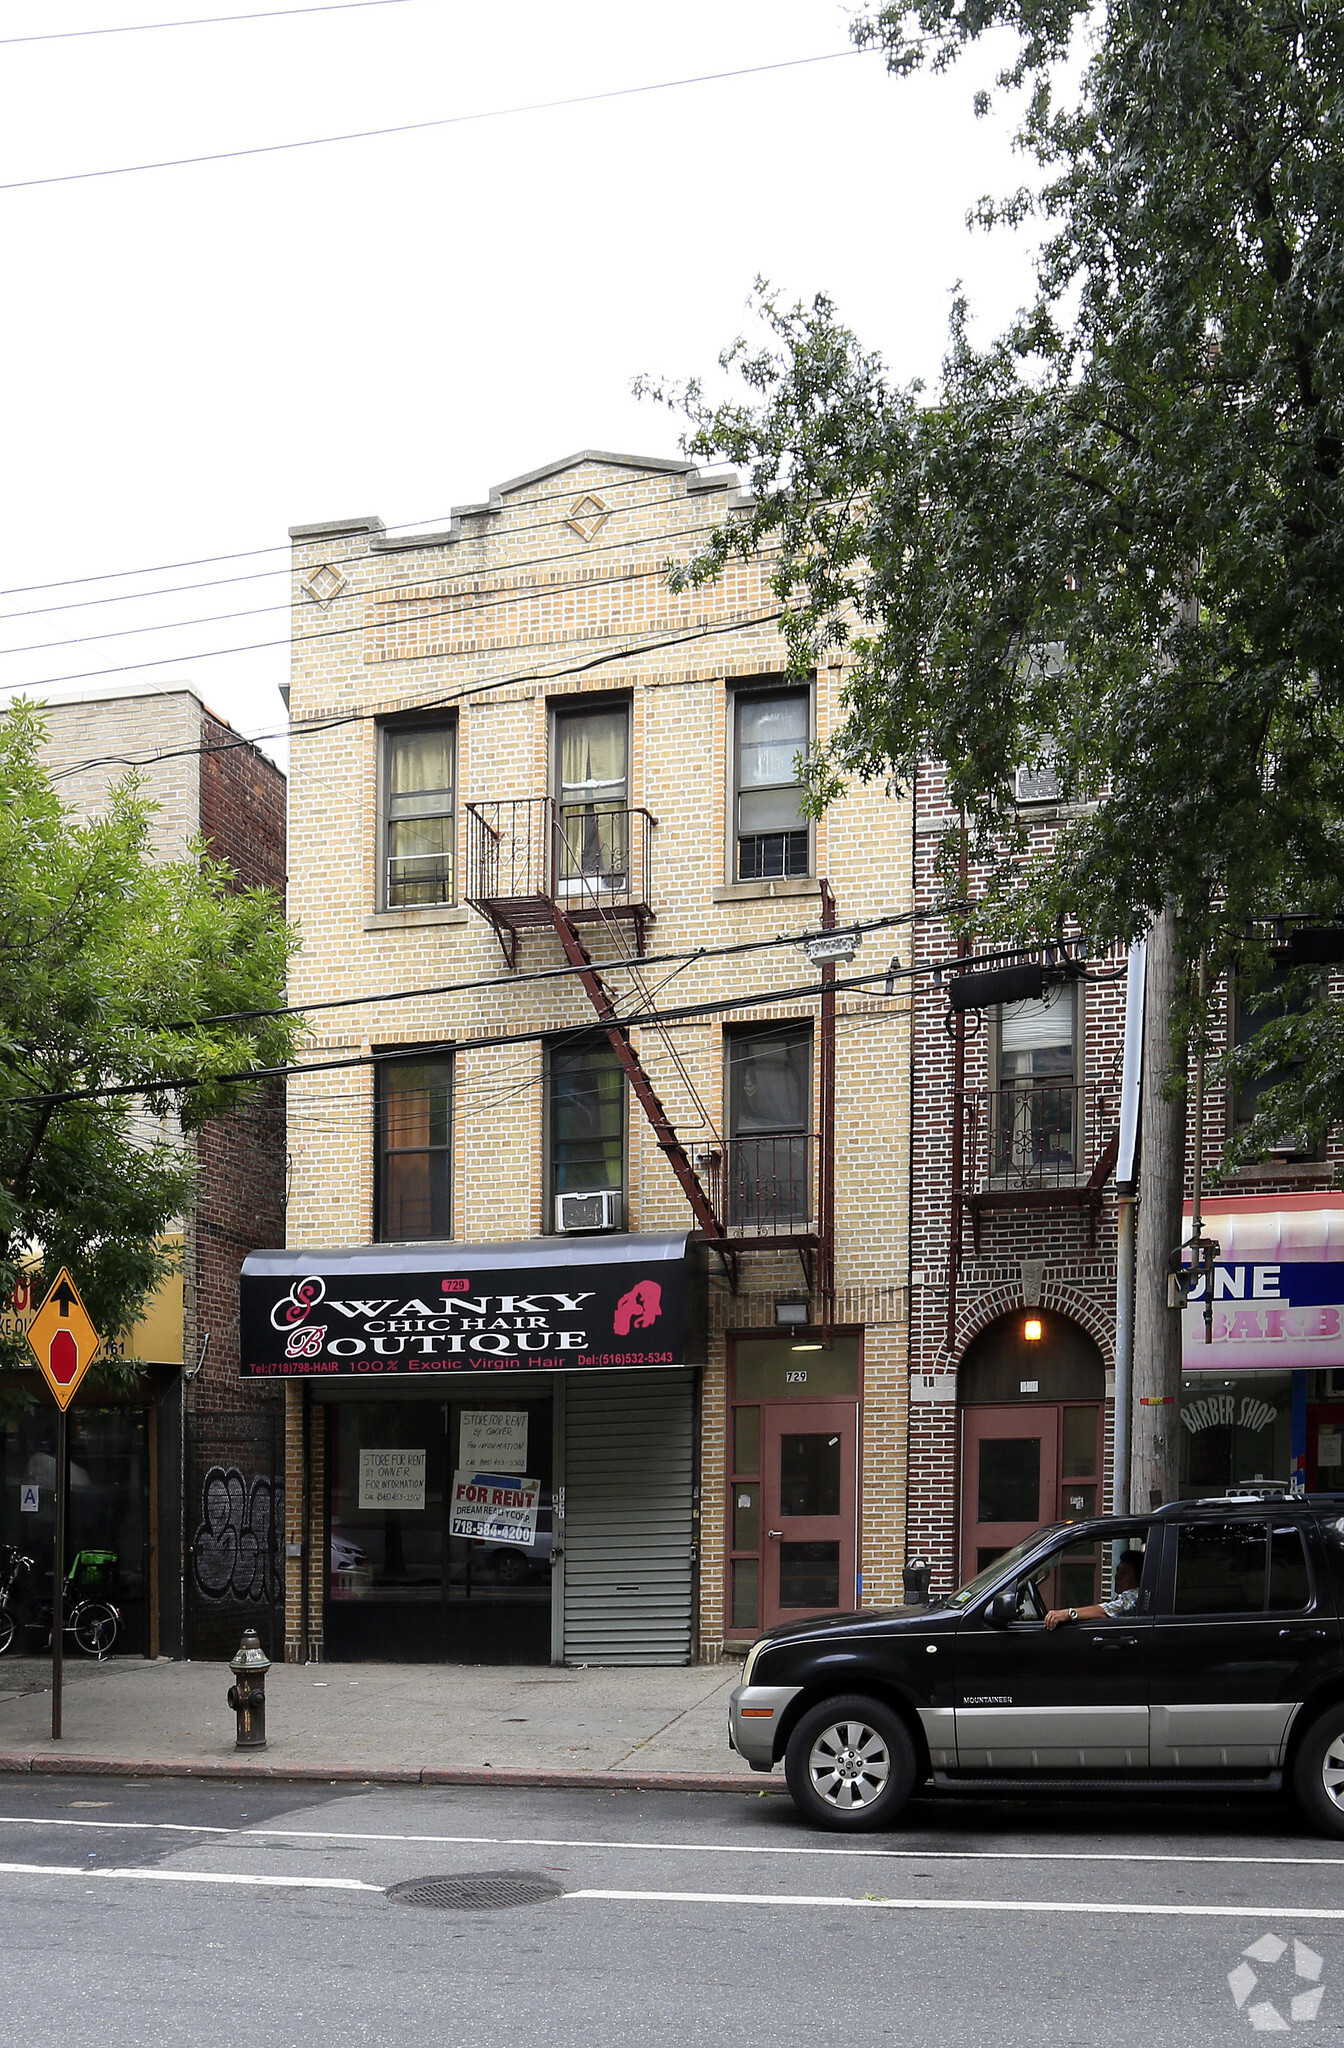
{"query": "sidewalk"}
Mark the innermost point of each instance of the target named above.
(429, 1723)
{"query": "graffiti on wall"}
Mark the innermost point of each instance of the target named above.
(234, 1553)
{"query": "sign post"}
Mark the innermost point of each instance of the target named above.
(64, 1343)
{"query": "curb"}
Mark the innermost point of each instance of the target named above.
(757, 1784)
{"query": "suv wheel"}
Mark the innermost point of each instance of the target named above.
(1318, 1773)
(850, 1764)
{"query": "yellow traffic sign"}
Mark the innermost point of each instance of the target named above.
(63, 1340)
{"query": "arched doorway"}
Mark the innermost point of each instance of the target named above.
(1032, 1390)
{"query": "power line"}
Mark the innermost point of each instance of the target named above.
(132, 28)
(687, 956)
(453, 536)
(586, 99)
(316, 725)
(631, 1021)
(415, 538)
(455, 606)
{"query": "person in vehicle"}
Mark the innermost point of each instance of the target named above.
(1128, 1572)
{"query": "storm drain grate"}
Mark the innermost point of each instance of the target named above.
(477, 1890)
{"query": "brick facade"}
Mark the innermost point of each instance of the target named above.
(566, 567)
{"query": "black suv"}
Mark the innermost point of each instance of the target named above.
(1223, 1669)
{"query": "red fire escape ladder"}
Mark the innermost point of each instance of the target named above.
(645, 1092)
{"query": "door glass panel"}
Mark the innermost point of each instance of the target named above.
(746, 1516)
(809, 1574)
(1289, 1581)
(1079, 1453)
(1077, 1500)
(1010, 1479)
(746, 1592)
(809, 1480)
(774, 1369)
(1220, 1568)
(746, 1439)
(985, 1558)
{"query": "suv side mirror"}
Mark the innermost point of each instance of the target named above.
(1002, 1609)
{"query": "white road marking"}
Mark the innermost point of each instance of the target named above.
(1108, 1908)
(685, 1848)
(81, 1870)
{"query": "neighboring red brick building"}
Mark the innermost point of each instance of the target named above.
(1014, 1127)
(182, 1475)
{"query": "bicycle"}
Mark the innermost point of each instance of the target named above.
(94, 1623)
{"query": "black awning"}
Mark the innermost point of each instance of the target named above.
(557, 1304)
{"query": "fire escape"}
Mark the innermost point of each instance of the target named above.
(535, 865)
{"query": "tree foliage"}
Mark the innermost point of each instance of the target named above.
(112, 964)
(1113, 536)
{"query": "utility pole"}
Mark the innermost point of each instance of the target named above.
(1157, 1327)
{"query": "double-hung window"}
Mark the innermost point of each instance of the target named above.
(419, 774)
(1035, 1122)
(771, 731)
(1253, 1007)
(592, 746)
(769, 1121)
(414, 1121)
(587, 1128)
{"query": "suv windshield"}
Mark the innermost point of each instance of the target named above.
(1003, 1563)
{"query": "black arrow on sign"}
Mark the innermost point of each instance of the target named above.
(65, 1297)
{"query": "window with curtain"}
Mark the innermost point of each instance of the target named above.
(414, 1144)
(592, 761)
(587, 1117)
(418, 779)
(1035, 1104)
(769, 1123)
(771, 836)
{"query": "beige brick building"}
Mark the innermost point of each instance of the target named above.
(515, 750)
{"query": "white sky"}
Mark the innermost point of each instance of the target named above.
(195, 359)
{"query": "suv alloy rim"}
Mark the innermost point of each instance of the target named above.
(850, 1765)
(1332, 1771)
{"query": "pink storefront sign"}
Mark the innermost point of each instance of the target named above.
(1278, 1285)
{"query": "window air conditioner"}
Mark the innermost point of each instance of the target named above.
(600, 1209)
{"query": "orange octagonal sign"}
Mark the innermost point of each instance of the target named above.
(63, 1340)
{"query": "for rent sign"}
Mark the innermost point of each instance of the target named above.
(548, 1305)
(493, 1507)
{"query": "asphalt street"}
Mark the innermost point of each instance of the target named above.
(157, 1912)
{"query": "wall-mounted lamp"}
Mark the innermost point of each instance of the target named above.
(1033, 1329)
(793, 1311)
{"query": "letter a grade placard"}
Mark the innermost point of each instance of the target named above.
(63, 1340)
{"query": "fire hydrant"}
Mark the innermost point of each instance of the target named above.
(247, 1696)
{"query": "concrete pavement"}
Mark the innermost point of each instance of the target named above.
(436, 1723)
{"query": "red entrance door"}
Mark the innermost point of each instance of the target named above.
(1325, 1448)
(808, 1507)
(1022, 1466)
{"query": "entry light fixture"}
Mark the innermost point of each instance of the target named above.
(804, 1347)
(1033, 1329)
(793, 1311)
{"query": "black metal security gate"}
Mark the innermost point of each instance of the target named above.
(234, 1514)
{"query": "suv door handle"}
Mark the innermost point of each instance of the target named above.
(1302, 1635)
(1117, 1642)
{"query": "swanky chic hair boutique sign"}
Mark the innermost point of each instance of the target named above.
(606, 1302)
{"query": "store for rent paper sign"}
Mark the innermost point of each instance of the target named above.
(494, 1507)
(493, 1440)
(392, 1479)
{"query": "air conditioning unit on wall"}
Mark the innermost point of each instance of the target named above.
(600, 1209)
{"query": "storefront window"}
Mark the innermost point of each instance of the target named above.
(108, 1502)
(404, 1580)
(1235, 1432)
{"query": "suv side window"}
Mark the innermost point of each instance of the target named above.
(1235, 1568)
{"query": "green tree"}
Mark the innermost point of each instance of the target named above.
(112, 965)
(1113, 536)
